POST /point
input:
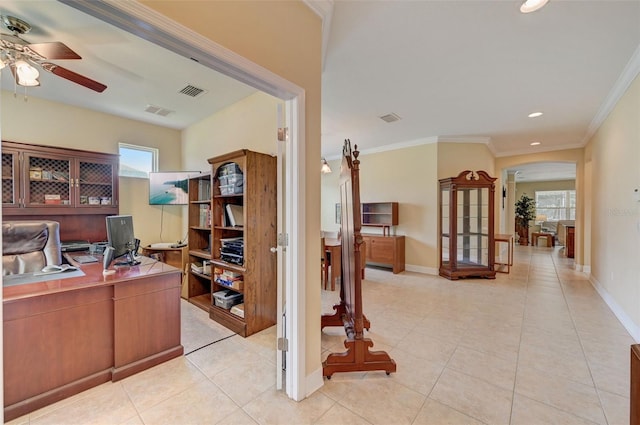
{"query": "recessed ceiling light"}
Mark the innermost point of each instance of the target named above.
(534, 114)
(535, 143)
(532, 5)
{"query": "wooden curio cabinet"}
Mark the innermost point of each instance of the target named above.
(466, 228)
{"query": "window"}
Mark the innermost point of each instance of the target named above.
(556, 204)
(137, 161)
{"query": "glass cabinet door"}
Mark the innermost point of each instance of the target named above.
(472, 227)
(95, 184)
(445, 243)
(48, 181)
(10, 180)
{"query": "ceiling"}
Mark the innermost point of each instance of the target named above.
(451, 70)
(137, 73)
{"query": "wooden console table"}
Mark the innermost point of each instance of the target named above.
(64, 336)
(548, 236)
(510, 242)
(386, 250)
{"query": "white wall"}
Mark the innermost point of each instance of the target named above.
(408, 176)
(248, 124)
(43, 122)
(614, 155)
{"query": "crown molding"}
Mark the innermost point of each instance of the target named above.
(627, 76)
(324, 9)
(537, 150)
(393, 147)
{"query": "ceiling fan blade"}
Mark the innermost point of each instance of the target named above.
(54, 50)
(74, 77)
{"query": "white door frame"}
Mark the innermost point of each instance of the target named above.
(150, 25)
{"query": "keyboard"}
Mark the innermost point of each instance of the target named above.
(74, 246)
(85, 259)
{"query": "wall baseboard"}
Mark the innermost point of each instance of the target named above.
(315, 381)
(421, 269)
(626, 321)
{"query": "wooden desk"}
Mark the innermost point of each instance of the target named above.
(176, 257)
(548, 236)
(334, 247)
(509, 240)
(64, 336)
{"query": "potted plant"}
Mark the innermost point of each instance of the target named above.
(525, 212)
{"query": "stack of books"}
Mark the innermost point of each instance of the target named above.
(230, 279)
(232, 250)
(202, 268)
(205, 215)
(204, 190)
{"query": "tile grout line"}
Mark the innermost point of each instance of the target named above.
(588, 363)
(524, 309)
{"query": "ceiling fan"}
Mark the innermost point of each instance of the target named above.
(21, 56)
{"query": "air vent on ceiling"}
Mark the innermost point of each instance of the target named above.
(390, 117)
(192, 91)
(156, 110)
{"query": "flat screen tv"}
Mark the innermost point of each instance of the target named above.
(121, 238)
(169, 188)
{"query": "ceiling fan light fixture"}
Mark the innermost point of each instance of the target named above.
(532, 5)
(325, 166)
(28, 82)
(25, 72)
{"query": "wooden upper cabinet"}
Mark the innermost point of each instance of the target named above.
(380, 214)
(47, 180)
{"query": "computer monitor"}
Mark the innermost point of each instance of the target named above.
(120, 237)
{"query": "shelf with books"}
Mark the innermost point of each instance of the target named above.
(199, 283)
(244, 191)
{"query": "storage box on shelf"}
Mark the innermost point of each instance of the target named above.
(199, 281)
(227, 299)
(244, 192)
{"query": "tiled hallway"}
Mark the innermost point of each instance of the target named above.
(536, 346)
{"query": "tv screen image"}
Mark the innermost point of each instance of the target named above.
(121, 237)
(169, 188)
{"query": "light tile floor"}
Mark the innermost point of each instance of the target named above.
(536, 346)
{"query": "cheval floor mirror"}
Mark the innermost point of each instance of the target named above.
(349, 312)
